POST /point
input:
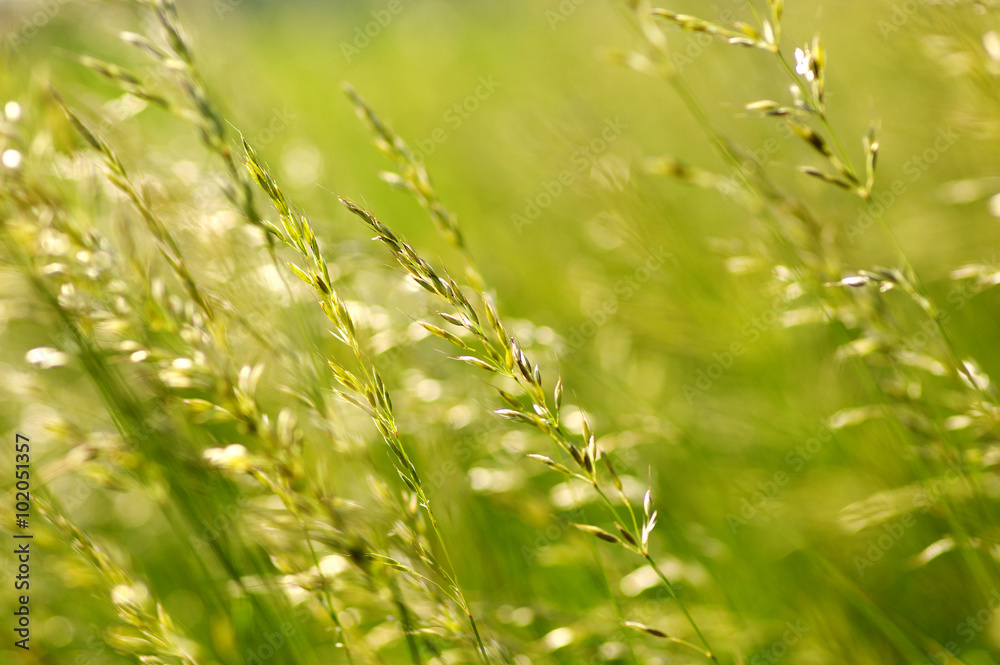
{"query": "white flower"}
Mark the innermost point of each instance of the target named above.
(804, 63)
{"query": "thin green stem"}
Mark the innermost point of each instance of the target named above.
(709, 653)
(612, 595)
(820, 113)
(663, 578)
(481, 647)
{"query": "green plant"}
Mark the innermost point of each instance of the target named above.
(239, 475)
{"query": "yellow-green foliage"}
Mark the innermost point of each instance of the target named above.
(674, 344)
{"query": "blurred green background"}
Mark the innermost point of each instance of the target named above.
(501, 98)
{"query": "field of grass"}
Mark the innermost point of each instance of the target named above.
(447, 331)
